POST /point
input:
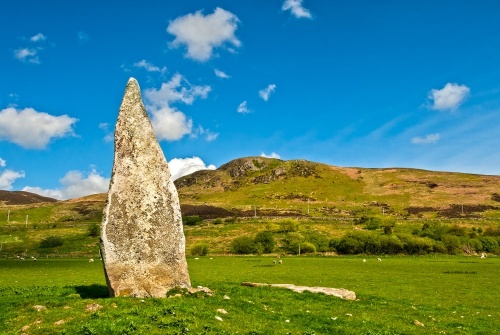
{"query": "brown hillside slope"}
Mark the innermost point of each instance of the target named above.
(22, 198)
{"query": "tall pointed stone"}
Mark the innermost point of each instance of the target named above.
(142, 239)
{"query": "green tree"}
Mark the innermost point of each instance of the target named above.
(243, 245)
(266, 240)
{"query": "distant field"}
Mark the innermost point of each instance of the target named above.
(448, 294)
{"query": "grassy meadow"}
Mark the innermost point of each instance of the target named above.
(447, 294)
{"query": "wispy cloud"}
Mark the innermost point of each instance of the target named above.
(38, 37)
(83, 37)
(2, 162)
(296, 8)
(144, 64)
(265, 93)
(206, 133)
(75, 184)
(272, 155)
(242, 108)
(27, 55)
(428, 139)
(449, 97)
(31, 129)
(221, 74)
(180, 167)
(201, 34)
(108, 135)
(168, 122)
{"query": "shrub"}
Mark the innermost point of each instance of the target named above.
(489, 243)
(391, 245)
(243, 245)
(373, 223)
(51, 242)
(199, 249)
(218, 221)
(349, 245)
(191, 220)
(307, 248)
(320, 241)
(266, 240)
(292, 241)
(333, 244)
(451, 243)
(288, 226)
(387, 230)
(93, 230)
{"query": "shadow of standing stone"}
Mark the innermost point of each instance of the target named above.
(142, 238)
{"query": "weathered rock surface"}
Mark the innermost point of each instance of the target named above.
(142, 239)
(337, 292)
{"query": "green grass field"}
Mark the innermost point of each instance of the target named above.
(449, 295)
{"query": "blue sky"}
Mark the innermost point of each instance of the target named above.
(344, 82)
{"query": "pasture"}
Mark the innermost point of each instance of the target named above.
(447, 294)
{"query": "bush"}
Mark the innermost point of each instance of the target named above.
(333, 244)
(218, 221)
(489, 243)
(292, 241)
(387, 230)
(93, 230)
(243, 245)
(51, 242)
(200, 249)
(288, 226)
(349, 245)
(191, 220)
(373, 223)
(307, 248)
(391, 245)
(451, 243)
(266, 240)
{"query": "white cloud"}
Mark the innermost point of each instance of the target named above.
(180, 167)
(27, 55)
(295, 6)
(75, 184)
(265, 93)
(8, 177)
(272, 155)
(242, 108)
(31, 129)
(149, 67)
(168, 122)
(428, 139)
(2, 162)
(221, 74)
(202, 33)
(38, 37)
(449, 97)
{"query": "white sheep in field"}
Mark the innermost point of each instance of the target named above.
(280, 261)
(274, 262)
(378, 259)
(34, 259)
(364, 260)
(91, 260)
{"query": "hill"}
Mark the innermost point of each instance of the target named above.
(272, 187)
(22, 198)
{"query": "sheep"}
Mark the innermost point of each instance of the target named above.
(91, 260)
(483, 255)
(378, 259)
(34, 259)
(281, 262)
(274, 262)
(364, 260)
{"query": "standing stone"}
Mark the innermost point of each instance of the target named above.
(142, 239)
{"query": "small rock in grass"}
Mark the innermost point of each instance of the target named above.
(226, 297)
(114, 305)
(37, 322)
(67, 307)
(334, 318)
(60, 322)
(218, 318)
(348, 314)
(418, 323)
(93, 307)
(287, 321)
(25, 328)
(222, 311)
(39, 308)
